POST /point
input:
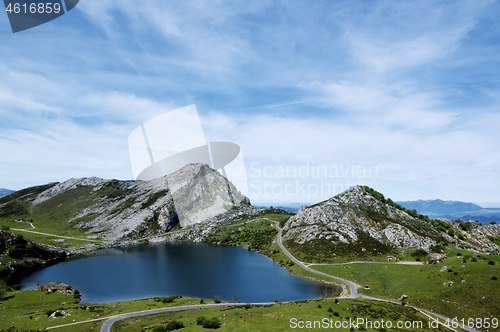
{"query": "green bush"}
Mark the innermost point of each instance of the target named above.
(437, 248)
(494, 278)
(212, 323)
(169, 299)
(217, 301)
(419, 253)
(461, 237)
(491, 262)
(202, 301)
(174, 325)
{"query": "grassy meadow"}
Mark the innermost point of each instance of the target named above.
(465, 289)
(284, 316)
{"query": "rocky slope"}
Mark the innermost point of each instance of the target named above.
(112, 209)
(357, 222)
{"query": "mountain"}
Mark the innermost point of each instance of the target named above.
(453, 210)
(4, 192)
(362, 222)
(111, 209)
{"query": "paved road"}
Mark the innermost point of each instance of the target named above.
(106, 326)
(353, 287)
(386, 263)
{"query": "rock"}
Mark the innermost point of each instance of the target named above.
(355, 212)
(114, 210)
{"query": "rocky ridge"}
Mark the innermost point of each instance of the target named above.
(114, 210)
(355, 216)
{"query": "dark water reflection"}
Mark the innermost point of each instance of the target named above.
(188, 269)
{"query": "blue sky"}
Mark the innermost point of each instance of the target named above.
(401, 96)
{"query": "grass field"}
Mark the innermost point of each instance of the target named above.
(464, 290)
(53, 216)
(28, 309)
(286, 315)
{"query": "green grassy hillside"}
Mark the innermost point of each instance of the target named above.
(466, 289)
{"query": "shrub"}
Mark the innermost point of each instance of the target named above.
(437, 248)
(330, 310)
(419, 253)
(174, 325)
(461, 237)
(451, 232)
(212, 323)
(319, 306)
(491, 262)
(494, 278)
(217, 301)
(169, 299)
(336, 314)
(336, 301)
(202, 301)
(248, 306)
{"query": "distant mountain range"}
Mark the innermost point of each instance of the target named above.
(4, 192)
(453, 210)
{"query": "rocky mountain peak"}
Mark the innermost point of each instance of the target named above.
(112, 209)
(200, 193)
(362, 221)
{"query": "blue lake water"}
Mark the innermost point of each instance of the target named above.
(188, 269)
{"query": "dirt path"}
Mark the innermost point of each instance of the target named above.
(60, 236)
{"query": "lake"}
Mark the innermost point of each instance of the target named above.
(189, 269)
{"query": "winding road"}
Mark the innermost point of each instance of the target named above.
(353, 287)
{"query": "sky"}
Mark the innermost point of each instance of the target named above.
(402, 96)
